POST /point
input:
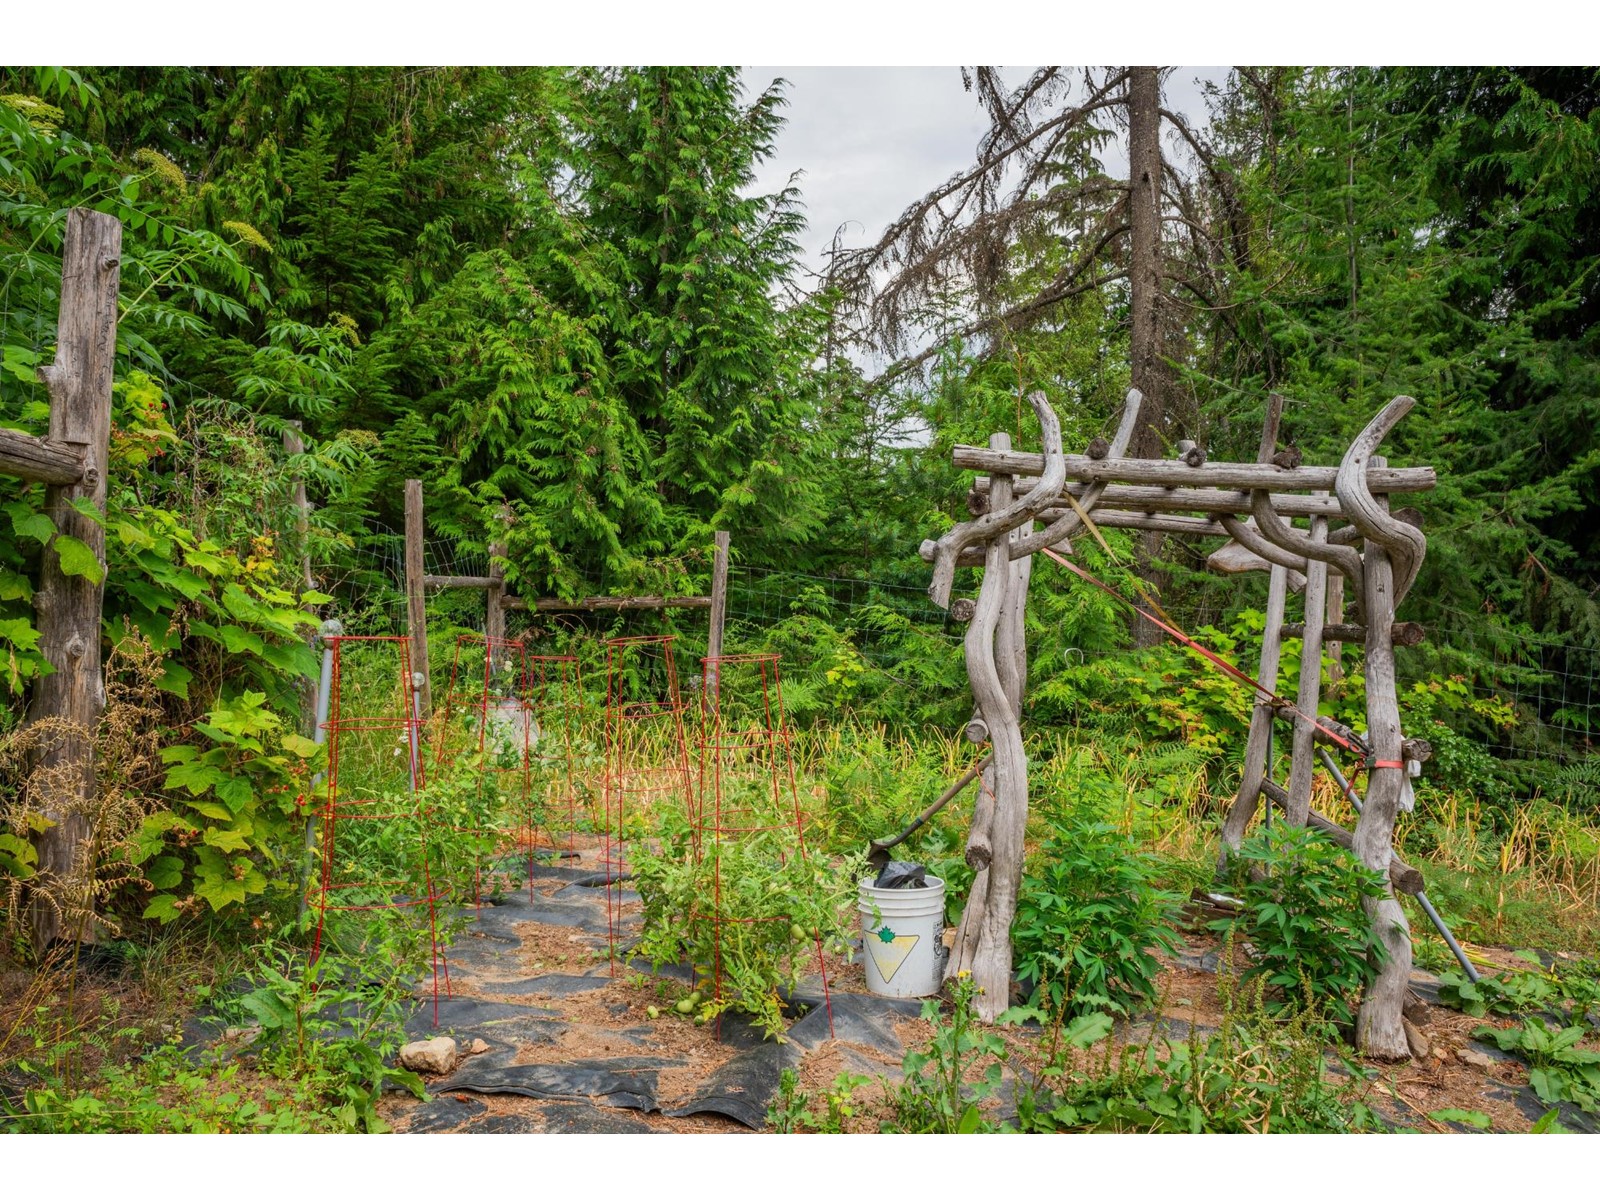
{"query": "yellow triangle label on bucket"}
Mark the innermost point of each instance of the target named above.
(890, 956)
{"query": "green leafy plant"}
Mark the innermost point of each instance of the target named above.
(1088, 917)
(1309, 937)
(1256, 1074)
(791, 1110)
(1559, 1069)
(938, 1093)
(748, 913)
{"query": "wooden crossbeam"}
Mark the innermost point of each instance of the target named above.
(1175, 473)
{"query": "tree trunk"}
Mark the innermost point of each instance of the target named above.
(1144, 275)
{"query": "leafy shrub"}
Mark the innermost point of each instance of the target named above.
(1087, 920)
(1304, 920)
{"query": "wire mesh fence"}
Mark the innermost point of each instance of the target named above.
(1533, 699)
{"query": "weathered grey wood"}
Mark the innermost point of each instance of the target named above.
(603, 603)
(947, 549)
(1165, 472)
(293, 446)
(1405, 543)
(1379, 1032)
(1236, 559)
(1142, 497)
(1333, 617)
(719, 610)
(69, 606)
(1301, 762)
(1255, 768)
(39, 460)
(1064, 522)
(416, 606)
(1406, 633)
(1402, 876)
(494, 613)
(1272, 527)
(980, 849)
(991, 961)
(1249, 536)
(435, 583)
(1190, 454)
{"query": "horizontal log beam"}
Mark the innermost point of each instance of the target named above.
(481, 582)
(607, 603)
(1404, 633)
(1170, 472)
(1402, 876)
(40, 460)
(1152, 498)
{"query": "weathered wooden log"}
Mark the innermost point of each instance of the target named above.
(1249, 536)
(1065, 522)
(1154, 498)
(1190, 454)
(1406, 633)
(436, 582)
(1402, 876)
(1258, 742)
(1379, 1032)
(1301, 763)
(1166, 472)
(1357, 495)
(416, 582)
(1274, 529)
(40, 460)
(961, 610)
(604, 603)
(1416, 750)
(995, 525)
(69, 606)
(719, 614)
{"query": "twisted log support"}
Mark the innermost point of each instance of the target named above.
(1380, 1028)
(996, 653)
(993, 526)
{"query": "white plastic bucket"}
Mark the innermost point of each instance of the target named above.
(903, 947)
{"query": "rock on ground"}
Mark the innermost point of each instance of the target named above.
(436, 1056)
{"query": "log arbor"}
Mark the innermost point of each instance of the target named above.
(1350, 538)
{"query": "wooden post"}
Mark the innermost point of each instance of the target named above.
(1380, 1029)
(416, 611)
(294, 445)
(719, 611)
(494, 617)
(1258, 743)
(1301, 762)
(1335, 616)
(69, 606)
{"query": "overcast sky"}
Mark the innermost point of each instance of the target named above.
(870, 140)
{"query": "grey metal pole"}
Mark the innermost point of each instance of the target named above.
(414, 726)
(1422, 897)
(328, 629)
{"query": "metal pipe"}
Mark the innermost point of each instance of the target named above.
(319, 734)
(1422, 897)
